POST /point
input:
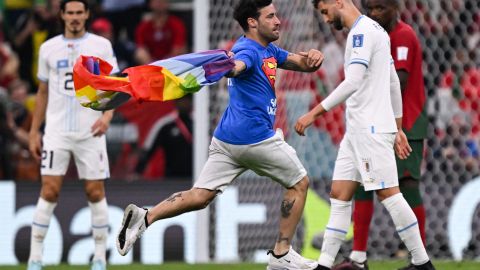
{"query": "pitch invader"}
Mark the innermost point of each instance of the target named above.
(366, 155)
(245, 138)
(70, 129)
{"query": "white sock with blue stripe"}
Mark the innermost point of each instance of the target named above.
(100, 228)
(41, 221)
(407, 227)
(337, 228)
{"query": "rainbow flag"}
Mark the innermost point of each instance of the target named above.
(159, 81)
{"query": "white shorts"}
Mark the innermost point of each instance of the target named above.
(367, 158)
(272, 157)
(90, 156)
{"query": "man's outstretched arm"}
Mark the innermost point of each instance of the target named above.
(239, 68)
(303, 61)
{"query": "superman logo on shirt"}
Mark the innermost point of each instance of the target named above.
(269, 67)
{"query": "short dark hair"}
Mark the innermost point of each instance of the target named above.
(395, 3)
(64, 3)
(315, 2)
(248, 9)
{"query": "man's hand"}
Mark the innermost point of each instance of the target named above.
(402, 148)
(101, 125)
(35, 144)
(303, 123)
(314, 58)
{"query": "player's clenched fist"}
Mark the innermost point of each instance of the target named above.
(314, 57)
(303, 123)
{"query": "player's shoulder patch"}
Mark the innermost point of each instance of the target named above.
(402, 53)
(357, 40)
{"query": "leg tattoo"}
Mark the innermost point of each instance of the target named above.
(282, 238)
(287, 208)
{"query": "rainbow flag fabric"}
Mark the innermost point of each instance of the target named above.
(159, 81)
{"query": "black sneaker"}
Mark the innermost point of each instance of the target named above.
(349, 264)
(426, 266)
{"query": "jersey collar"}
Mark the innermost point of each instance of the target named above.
(357, 20)
(254, 43)
(75, 39)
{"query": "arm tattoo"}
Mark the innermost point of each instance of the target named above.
(282, 238)
(174, 197)
(290, 65)
(287, 208)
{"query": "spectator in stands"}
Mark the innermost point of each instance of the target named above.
(18, 91)
(2, 34)
(13, 10)
(9, 65)
(32, 29)
(458, 149)
(174, 137)
(124, 49)
(333, 66)
(124, 14)
(25, 166)
(6, 137)
(161, 36)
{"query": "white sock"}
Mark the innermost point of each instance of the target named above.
(41, 221)
(340, 219)
(407, 227)
(358, 256)
(100, 228)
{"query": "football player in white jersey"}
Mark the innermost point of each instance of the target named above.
(366, 155)
(70, 130)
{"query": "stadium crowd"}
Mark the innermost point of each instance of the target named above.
(150, 33)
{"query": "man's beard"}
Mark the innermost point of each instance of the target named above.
(75, 28)
(269, 36)
(337, 23)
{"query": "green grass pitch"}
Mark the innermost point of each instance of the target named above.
(374, 265)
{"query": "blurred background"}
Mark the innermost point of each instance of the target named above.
(151, 155)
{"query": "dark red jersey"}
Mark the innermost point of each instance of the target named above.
(407, 55)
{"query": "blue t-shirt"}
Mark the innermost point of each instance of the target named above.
(250, 114)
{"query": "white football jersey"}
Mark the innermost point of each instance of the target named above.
(370, 108)
(57, 56)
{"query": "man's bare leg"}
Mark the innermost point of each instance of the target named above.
(181, 202)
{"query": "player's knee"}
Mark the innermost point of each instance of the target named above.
(302, 185)
(340, 195)
(334, 194)
(50, 193)
(383, 194)
(94, 195)
(95, 191)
